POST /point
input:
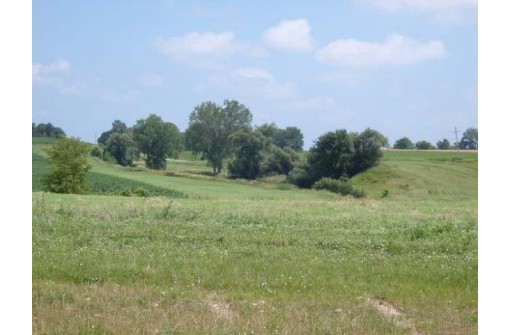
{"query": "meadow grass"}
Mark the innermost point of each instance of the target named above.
(241, 258)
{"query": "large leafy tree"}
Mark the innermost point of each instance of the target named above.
(404, 143)
(424, 145)
(367, 147)
(68, 157)
(469, 139)
(118, 127)
(339, 154)
(444, 144)
(123, 148)
(290, 137)
(332, 155)
(158, 140)
(210, 129)
(248, 156)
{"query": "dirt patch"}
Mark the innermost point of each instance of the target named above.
(393, 313)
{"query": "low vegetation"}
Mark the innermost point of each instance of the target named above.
(255, 257)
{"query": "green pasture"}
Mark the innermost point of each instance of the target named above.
(239, 257)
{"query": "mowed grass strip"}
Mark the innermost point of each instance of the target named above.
(115, 265)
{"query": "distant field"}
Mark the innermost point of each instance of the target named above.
(261, 257)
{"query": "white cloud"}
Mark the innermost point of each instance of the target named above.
(442, 11)
(48, 73)
(202, 49)
(394, 50)
(253, 83)
(289, 35)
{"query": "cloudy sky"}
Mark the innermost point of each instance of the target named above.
(403, 67)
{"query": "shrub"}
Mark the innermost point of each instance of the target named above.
(96, 152)
(300, 177)
(340, 186)
(68, 158)
(141, 192)
(358, 193)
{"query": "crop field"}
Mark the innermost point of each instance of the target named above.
(219, 256)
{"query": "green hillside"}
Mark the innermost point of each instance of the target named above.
(238, 257)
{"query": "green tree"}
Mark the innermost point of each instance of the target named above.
(211, 126)
(469, 139)
(123, 148)
(424, 145)
(404, 143)
(279, 160)
(269, 130)
(47, 130)
(68, 158)
(332, 155)
(248, 154)
(443, 145)
(367, 147)
(291, 137)
(118, 127)
(158, 140)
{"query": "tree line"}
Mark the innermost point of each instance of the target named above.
(469, 141)
(47, 130)
(223, 135)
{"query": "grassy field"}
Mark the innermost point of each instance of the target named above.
(262, 257)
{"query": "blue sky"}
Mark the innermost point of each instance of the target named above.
(403, 67)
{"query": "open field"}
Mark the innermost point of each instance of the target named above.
(261, 257)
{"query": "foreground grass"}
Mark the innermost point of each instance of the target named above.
(113, 265)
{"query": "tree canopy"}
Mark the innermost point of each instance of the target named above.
(47, 130)
(404, 143)
(118, 127)
(443, 144)
(469, 139)
(158, 140)
(424, 145)
(339, 154)
(68, 158)
(211, 126)
(290, 137)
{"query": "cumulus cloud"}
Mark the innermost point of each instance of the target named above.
(443, 11)
(48, 73)
(202, 49)
(394, 50)
(289, 35)
(253, 83)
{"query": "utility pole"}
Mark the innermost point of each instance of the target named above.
(457, 143)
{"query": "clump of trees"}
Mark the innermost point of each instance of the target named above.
(404, 143)
(153, 137)
(339, 154)
(469, 139)
(256, 155)
(443, 144)
(158, 140)
(69, 167)
(210, 129)
(424, 145)
(47, 130)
